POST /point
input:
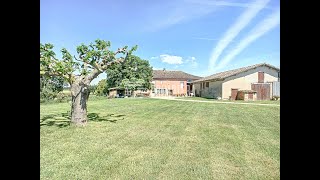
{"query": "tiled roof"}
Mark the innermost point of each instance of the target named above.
(166, 74)
(225, 74)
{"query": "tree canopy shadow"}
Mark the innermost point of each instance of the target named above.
(109, 117)
(64, 119)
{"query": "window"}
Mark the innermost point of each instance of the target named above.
(207, 84)
(181, 84)
(161, 91)
(203, 85)
(160, 82)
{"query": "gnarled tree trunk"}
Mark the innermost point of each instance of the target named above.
(80, 94)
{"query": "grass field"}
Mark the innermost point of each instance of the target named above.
(160, 139)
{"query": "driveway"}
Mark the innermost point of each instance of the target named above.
(221, 102)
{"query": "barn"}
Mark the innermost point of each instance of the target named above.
(256, 82)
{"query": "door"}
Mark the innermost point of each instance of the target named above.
(263, 91)
(188, 89)
(234, 93)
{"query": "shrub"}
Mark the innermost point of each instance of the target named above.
(50, 87)
(102, 88)
(63, 97)
(275, 98)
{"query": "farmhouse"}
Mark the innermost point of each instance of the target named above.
(256, 82)
(172, 83)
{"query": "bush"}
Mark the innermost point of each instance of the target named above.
(63, 97)
(143, 94)
(275, 98)
(101, 89)
(92, 89)
(50, 87)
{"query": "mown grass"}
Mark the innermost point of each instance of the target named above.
(240, 101)
(160, 139)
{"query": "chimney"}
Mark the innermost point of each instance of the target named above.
(260, 77)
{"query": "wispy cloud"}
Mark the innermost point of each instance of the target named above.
(226, 3)
(260, 29)
(180, 11)
(241, 22)
(170, 59)
(192, 62)
(154, 57)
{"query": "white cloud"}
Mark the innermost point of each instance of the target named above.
(241, 22)
(192, 62)
(154, 57)
(170, 59)
(156, 68)
(260, 29)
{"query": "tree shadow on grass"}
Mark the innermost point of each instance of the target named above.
(63, 119)
(109, 117)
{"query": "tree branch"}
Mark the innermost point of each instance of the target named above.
(90, 65)
(97, 66)
(119, 60)
(92, 75)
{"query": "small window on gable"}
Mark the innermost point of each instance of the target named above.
(260, 77)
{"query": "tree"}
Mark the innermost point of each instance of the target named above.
(92, 60)
(92, 89)
(133, 68)
(132, 84)
(102, 88)
(50, 87)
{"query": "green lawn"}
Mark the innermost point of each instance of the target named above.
(241, 101)
(66, 91)
(160, 139)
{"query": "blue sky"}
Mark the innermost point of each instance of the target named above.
(201, 37)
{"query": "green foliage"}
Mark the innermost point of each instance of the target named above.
(92, 89)
(63, 97)
(50, 87)
(133, 68)
(132, 83)
(102, 88)
(95, 56)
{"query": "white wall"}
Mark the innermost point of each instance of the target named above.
(243, 80)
